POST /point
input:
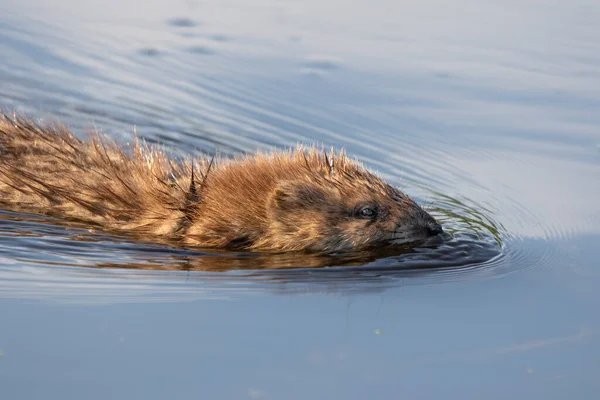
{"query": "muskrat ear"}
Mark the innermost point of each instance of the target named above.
(291, 195)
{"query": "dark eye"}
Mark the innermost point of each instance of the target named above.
(367, 213)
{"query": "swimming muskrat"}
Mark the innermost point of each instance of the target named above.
(302, 199)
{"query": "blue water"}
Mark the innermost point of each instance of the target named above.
(488, 113)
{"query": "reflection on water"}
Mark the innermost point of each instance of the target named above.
(486, 113)
(455, 214)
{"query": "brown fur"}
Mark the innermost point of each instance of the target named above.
(301, 199)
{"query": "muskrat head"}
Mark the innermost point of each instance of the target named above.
(334, 215)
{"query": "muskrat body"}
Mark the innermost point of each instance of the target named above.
(302, 199)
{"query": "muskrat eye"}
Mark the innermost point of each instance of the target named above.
(367, 213)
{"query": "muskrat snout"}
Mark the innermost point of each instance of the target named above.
(434, 229)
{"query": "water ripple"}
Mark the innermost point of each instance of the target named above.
(196, 91)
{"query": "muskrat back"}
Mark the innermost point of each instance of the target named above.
(301, 199)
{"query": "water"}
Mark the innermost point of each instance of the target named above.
(488, 113)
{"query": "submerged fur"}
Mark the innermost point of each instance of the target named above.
(302, 199)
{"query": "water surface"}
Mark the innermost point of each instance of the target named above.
(487, 113)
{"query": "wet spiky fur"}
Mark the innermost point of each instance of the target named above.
(302, 199)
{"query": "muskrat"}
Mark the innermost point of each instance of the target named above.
(301, 199)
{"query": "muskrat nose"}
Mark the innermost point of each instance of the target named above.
(434, 229)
